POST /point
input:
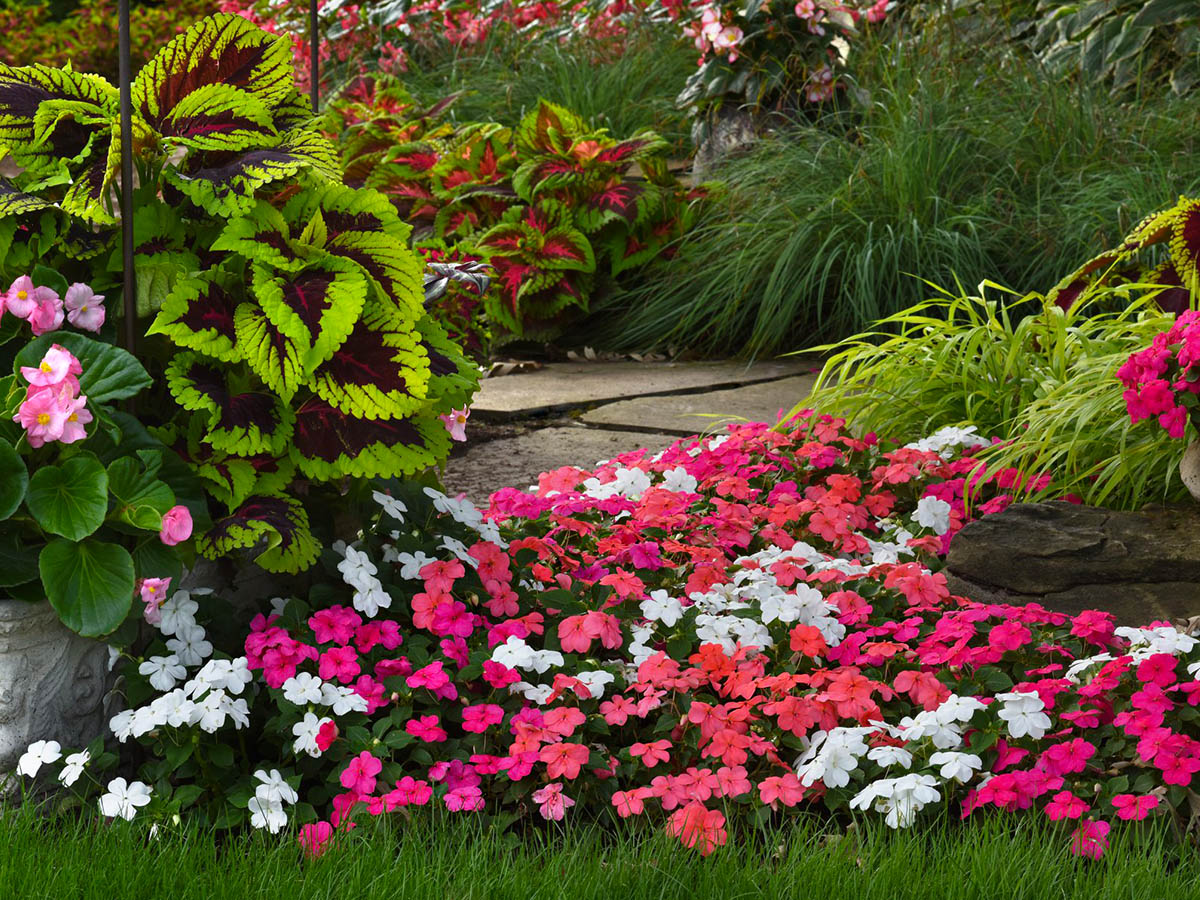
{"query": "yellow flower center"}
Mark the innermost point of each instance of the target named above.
(73, 417)
(83, 308)
(46, 367)
(43, 418)
(21, 295)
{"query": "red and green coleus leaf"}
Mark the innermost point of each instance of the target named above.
(241, 421)
(548, 129)
(275, 525)
(75, 109)
(416, 159)
(535, 240)
(231, 479)
(631, 202)
(641, 146)
(315, 308)
(329, 444)
(375, 374)
(453, 378)
(262, 234)
(199, 314)
(223, 49)
(346, 210)
(273, 356)
(90, 195)
(1185, 243)
(224, 183)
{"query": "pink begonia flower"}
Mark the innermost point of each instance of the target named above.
(1090, 839)
(1133, 808)
(47, 315)
(43, 415)
(359, 776)
(315, 837)
(78, 415)
(552, 802)
(85, 309)
(55, 366)
(176, 526)
(23, 298)
(153, 592)
(456, 423)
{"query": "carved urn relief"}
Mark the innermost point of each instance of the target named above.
(52, 683)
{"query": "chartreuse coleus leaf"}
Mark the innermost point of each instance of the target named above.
(262, 234)
(329, 444)
(82, 108)
(223, 49)
(277, 523)
(316, 307)
(243, 420)
(199, 314)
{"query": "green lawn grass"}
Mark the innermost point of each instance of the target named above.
(458, 859)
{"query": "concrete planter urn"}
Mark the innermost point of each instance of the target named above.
(1189, 469)
(52, 683)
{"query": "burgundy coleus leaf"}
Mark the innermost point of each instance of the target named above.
(548, 129)
(276, 526)
(316, 307)
(374, 374)
(1185, 243)
(272, 355)
(219, 117)
(630, 150)
(224, 49)
(328, 443)
(252, 422)
(199, 314)
(1175, 298)
(72, 108)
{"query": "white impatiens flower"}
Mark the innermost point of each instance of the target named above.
(899, 798)
(662, 607)
(275, 786)
(230, 675)
(163, 671)
(342, 700)
(535, 693)
(302, 688)
(926, 724)
(266, 812)
(832, 756)
(189, 645)
(73, 767)
(411, 564)
(933, 514)
(391, 505)
(679, 481)
(595, 681)
(356, 567)
(958, 766)
(123, 799)
(890, 756)
(514, 653)
(946, 440)
(179, 610)
(38, 754)
(121, 725)
(145, 720)
(956, 708)
(1023, 713)
(306, 731)
(278, 605)
(371, 597)
(176, 709)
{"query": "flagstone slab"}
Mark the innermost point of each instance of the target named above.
(574, 385)
(695, 413)
(517, 461)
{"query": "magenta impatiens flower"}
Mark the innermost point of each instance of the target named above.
(552, 802)
(1133, 808)
(1090, 839)
(359, 775)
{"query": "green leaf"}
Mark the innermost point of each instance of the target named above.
(142, 499)
(18, 562)
(14, 479)
(70, 500)
(43, 276)
(109, 373)
(90, 584)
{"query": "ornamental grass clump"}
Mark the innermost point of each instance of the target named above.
(740, 627)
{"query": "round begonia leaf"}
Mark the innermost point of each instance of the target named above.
(14, 480)
(72, 499)
(90, 584)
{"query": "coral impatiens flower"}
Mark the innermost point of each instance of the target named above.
(697, 826)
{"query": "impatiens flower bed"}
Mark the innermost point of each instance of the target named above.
(737, 627)
(1163, 380)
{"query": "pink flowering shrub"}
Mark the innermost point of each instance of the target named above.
(733, 628)
(1163, 380)
(773, 54)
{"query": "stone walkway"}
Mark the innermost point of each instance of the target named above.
(579, 413)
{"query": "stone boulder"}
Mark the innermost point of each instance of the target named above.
(1141, 566)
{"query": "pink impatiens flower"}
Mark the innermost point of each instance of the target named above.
(85, 309)
(552, 802)
(1065, 805)
(1090, 839)
(359, 776)
(1133, 808)
(652, 753)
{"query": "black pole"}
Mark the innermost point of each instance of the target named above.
(314, 48)
(126, 78)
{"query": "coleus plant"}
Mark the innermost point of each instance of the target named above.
(1139, 259)
(302, 352)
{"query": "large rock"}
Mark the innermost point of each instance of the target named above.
(1140, 566)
